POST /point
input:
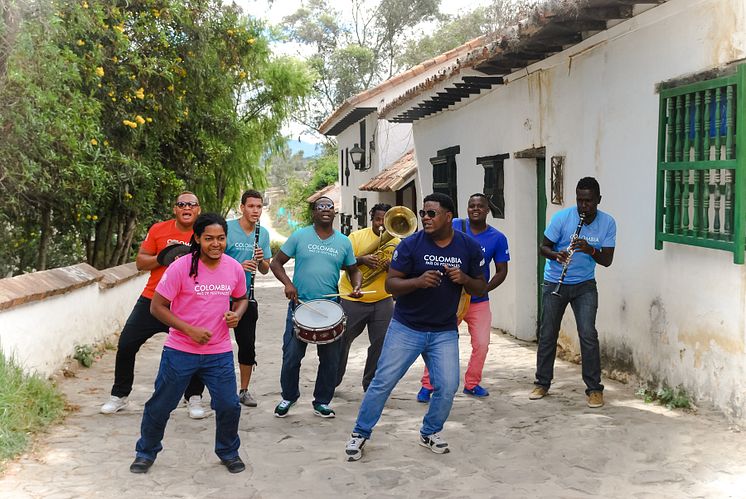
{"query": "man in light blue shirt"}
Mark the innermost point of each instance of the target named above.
(579, 252)
(320, 252)
(242, 238)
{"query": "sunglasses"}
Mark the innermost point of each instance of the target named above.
(429, 213)
(325, 206)
(187, 204)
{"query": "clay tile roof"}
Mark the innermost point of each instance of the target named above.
(347, 106)
(333, 192)
(394, 176)
(547, 20)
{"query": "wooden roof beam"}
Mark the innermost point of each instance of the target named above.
(491, 80)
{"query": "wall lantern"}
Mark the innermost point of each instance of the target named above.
(356, 155)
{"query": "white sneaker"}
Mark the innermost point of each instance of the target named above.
(435, 443)
(114, 404)
(354, 448)
(194, 405)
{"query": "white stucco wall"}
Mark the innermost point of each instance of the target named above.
(675, 316)
(41, 334)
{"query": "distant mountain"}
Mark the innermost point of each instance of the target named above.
(309, 150)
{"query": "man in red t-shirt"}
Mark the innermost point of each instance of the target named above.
(141, 325)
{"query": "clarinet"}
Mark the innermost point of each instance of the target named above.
(570, 251)
(253, 272)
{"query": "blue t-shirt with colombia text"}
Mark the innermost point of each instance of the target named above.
(434, 309)
(317, 261)
(601, 233)
(494, 247)
(240, 245)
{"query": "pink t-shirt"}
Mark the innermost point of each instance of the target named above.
(202, 302)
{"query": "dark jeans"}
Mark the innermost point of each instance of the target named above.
(140, 327)
(174, 373)
(293, 351)
(376, 316)
(583, 298)
(245, 333)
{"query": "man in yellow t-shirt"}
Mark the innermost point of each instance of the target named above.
(373, 310)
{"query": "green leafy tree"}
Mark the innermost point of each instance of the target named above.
(324, 173)
(111, 108)
(354, 55)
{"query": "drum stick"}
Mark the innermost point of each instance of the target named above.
(312, 308)
(349, 294)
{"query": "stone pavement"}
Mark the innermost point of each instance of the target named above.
(501, 446)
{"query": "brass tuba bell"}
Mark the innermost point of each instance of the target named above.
(399, 222)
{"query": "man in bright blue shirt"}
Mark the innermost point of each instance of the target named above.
(594, 244)
(320, 252)
(427, 272)
(240, 246)
(494, 246)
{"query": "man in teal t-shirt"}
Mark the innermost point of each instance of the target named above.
(240, 247)
(320, 252)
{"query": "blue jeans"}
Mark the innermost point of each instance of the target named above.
(583, 298)
(293, 351)
(174, 373)
(401, 348)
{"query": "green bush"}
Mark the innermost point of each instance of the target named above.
(673, 398)
(28, 404)
(275, 246)
(85, 354)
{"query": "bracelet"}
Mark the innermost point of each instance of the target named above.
(594, 251)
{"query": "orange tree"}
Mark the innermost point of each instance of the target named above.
(178, 94)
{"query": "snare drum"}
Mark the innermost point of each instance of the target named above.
(319, 321)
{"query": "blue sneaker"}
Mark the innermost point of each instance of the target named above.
(477, 391)
(423, 395)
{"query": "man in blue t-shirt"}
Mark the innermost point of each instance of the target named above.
(242, 239)
(576, 247)
(494, 246)
(426, 274)
(320, 252)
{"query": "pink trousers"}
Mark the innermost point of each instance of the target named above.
(479, 320)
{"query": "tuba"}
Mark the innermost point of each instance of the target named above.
(399, 222)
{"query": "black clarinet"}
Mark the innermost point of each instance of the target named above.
(570, 251)
(253, 272)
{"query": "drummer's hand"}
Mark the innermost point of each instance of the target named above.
(356, 293)
(199, 334)
(249, 265)
(231, 318)
(291, 293)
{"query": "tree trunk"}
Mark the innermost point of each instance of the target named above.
(129, 233)
(46, 217)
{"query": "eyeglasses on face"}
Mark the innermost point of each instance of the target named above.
(324, 206)
(429, 213)
(187, 204)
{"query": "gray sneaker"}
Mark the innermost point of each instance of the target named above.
(114, 404)
(246, 399)
(354, 447)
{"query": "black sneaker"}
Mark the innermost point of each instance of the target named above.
(354, 448)
(435, 443)
(234, 465)
(140, 465)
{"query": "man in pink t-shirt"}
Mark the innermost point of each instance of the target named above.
(194, 298)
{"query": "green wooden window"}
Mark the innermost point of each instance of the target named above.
(701, 177)
(494, 183)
